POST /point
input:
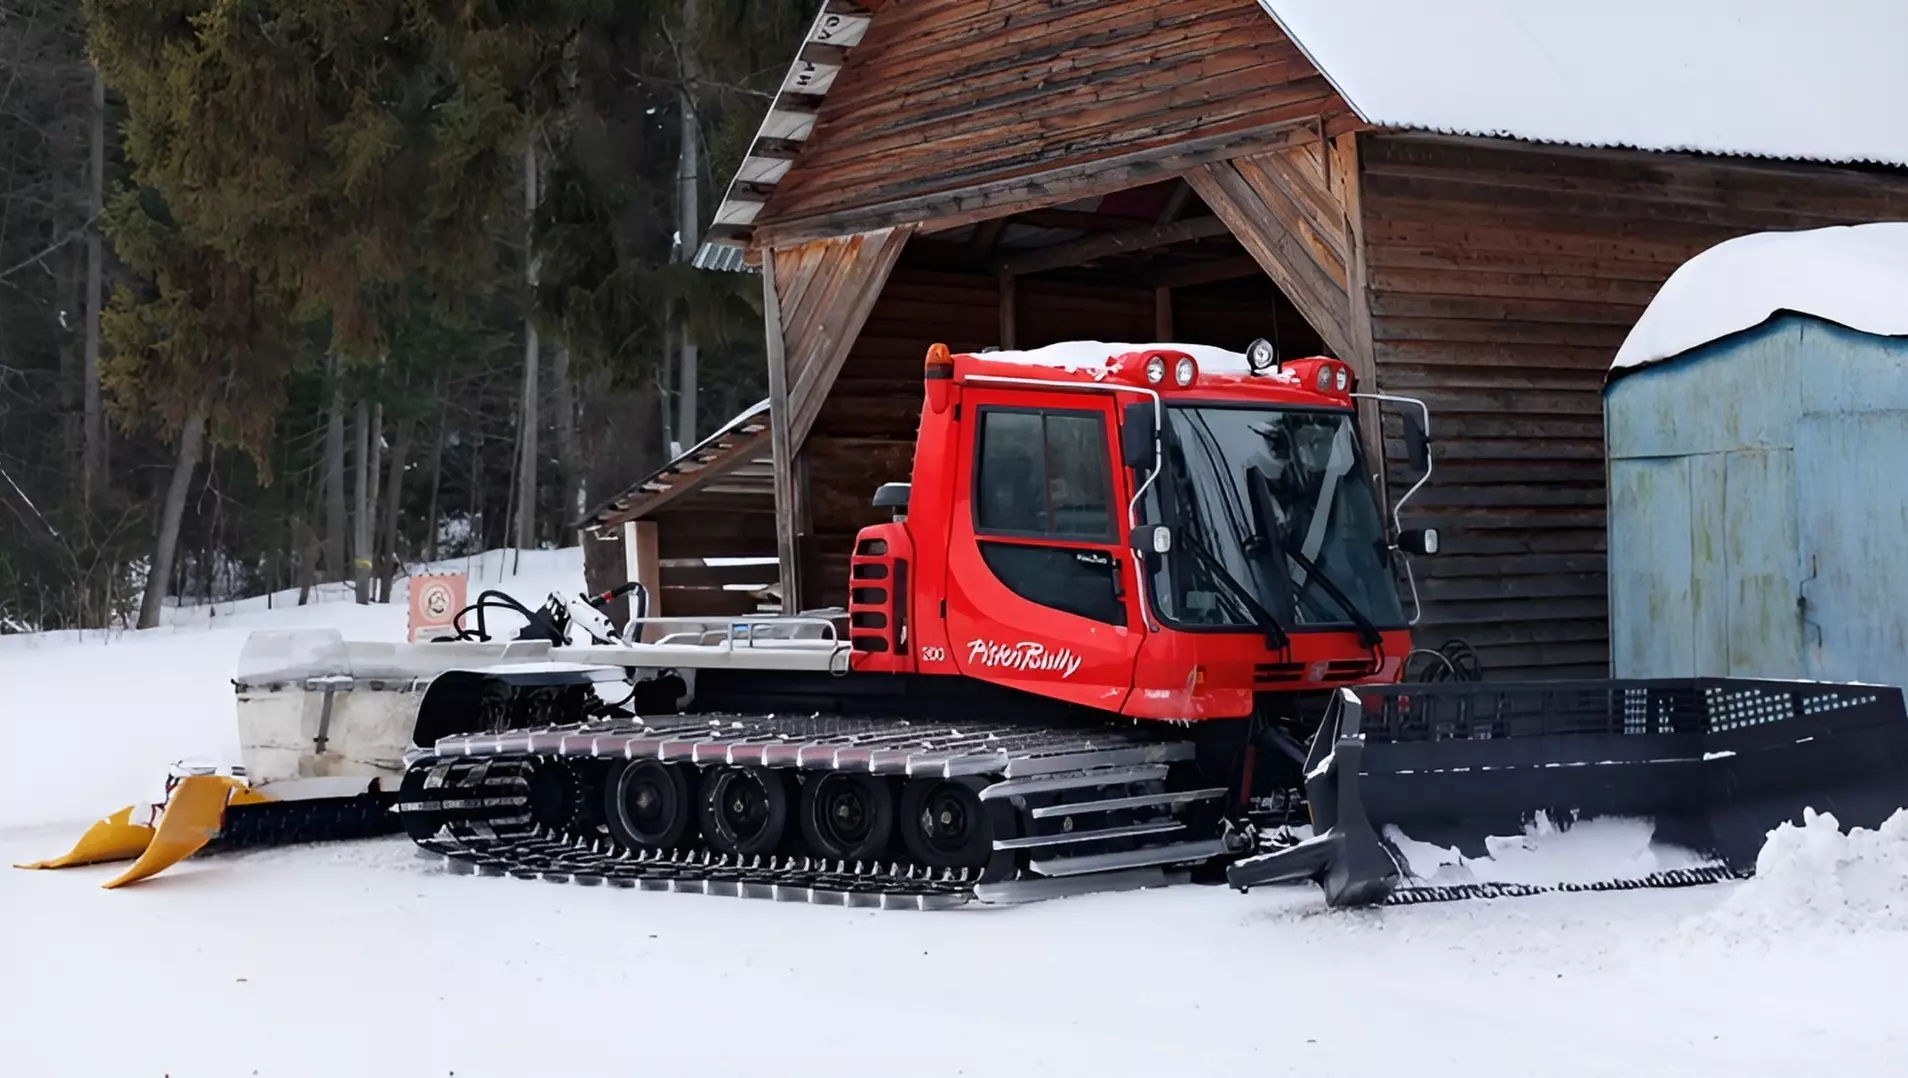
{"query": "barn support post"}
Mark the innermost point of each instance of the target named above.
(640, 545)
(1340, 164)
(781, 456)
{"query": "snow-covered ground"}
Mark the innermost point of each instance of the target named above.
(361, 959)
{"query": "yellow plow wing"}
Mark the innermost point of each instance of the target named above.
(193, 812)
(115, 838)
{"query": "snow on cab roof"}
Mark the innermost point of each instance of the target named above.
(1816, 81)
(1855, 275)
(1091, 355)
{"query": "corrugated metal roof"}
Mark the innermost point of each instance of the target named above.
(723, 258)
(1815, 81)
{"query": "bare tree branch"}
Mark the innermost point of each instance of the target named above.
(78, 233)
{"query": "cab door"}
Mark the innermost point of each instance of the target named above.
(1040, 592)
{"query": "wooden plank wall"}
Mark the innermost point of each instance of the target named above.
(945, 95)
(1502, 279)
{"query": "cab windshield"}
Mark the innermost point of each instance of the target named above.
(1275, 506)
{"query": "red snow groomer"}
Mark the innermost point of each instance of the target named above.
(1137, 617)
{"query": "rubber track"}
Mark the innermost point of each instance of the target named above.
(572, 859)
(474, 842)
(1675, 877)
(479, 785)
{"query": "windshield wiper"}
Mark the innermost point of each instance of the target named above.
(1367, 630)
(1262, 487)
(1276, 639)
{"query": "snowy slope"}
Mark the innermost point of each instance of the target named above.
(362, 959)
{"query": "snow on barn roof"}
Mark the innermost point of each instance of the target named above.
(1821, 80)
(1855, 275)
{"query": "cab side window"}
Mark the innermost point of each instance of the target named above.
(1046, 474)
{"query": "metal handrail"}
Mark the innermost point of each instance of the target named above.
(749, 620)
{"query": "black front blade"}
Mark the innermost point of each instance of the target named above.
(1714, 764)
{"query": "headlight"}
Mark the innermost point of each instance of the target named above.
(1342, 380)
(1259, 355)
(1156, 370)
(1183, 371)
(1324, 377)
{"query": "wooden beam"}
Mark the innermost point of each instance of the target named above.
(749, 191)
(1077, 220)
(776, 149)
(1284, 258)
(1016, 194)
(986, 235)
(1080, 251)
(835, 301)
(796, 102)
(1197, 273)
(1362, 359)
(823, 54)
(779, 424)
(1289, 182)
(1175, 203)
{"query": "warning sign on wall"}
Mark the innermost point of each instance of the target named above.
(435, 601)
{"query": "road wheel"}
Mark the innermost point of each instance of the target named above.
(944, 824)
(743, 810)
(647, 804)
(847, 817)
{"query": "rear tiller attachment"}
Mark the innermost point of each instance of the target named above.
(1714, 764)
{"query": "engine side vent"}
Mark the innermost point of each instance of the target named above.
(877, 598)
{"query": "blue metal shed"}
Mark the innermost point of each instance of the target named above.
(1758, 506)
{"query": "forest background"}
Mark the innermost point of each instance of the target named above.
(302, 291)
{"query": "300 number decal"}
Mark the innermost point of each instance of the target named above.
(933, 655)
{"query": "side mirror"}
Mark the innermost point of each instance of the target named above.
(1151, 539)
(1418, 541)
(1417, 443)
(1137, 427)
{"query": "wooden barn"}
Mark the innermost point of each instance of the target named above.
(1470, 203)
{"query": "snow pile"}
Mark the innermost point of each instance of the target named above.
(1581, 852)
(1817, 876)
(1851, 274)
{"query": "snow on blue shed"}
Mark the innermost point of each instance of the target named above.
(1757, 428)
